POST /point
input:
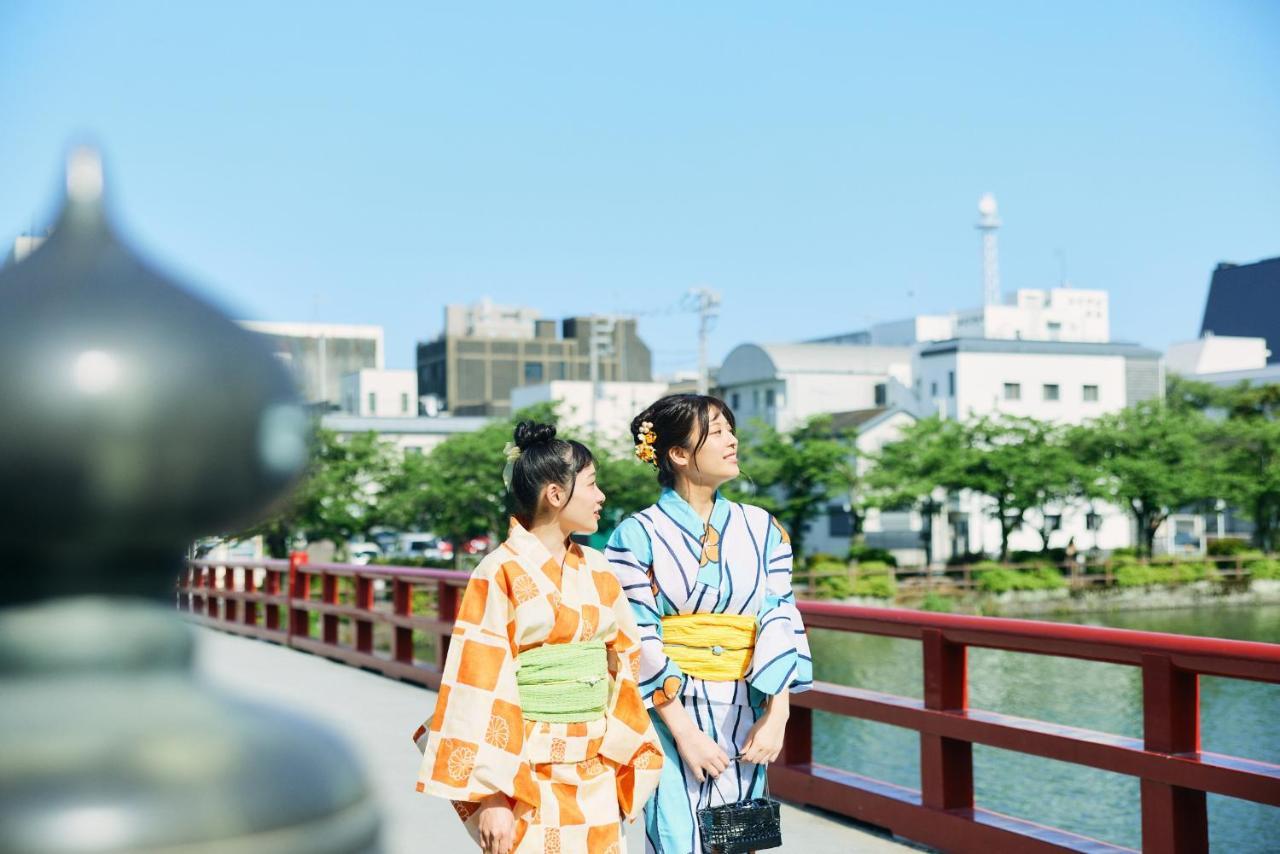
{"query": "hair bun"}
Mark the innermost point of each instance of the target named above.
(530, 433)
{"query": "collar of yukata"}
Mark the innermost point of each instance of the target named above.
(521, 541)
(687, 517)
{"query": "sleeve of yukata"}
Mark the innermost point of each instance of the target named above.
(473, 746)
(630, 553)
(781, 658)
(630, 740)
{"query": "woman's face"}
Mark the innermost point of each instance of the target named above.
(716, 462)
(581, 514)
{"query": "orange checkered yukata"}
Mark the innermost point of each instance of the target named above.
(568, 783)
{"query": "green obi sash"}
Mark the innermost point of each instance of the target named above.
(564, 682)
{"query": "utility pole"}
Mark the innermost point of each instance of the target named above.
(706, 303)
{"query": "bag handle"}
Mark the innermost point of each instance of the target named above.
(715, 781)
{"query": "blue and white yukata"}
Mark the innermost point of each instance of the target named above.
(739, 563)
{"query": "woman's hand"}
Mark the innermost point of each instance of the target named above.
(764, 741)
(701, 754)
(497, 825)
(695, 747)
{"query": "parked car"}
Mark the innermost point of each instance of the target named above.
(363, 553)
(423, 546)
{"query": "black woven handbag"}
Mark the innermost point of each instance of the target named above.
(737, 828)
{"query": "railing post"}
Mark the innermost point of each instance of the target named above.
(250, 607)
(299, 589)
(1174, 820)
(797, 743)
(273, 589)
(447, 609)
(329, 622)
(230, 607)
(211, 598)
(946, 764)
(364, 627)
(402, 637)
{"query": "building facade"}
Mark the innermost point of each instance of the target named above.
(416, 435)
(1244, 301)
(475, 372)
(372, 393)
(604, 408)
(319, 355)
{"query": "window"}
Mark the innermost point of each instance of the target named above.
(882, 394)
(933, 389)
(839, 521)
(755, 398)
(1013, 391)
(413, 451)
(532, 372)
(1090, 393)
(373, 403)
(1055, 330)
(1092, 521)
(769, 398)
(735, 401)
(951, 383)
(1051, 391)
(404, 403)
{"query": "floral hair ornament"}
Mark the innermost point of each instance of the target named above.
(644, 444)
(512, 452)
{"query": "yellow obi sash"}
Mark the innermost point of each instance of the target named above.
(564, 682)
(715, 647)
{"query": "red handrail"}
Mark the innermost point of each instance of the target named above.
(1175, 774)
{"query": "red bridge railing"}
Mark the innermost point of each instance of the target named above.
(275, 600)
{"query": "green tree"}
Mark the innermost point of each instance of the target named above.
(1246, 448)
(905, 472)
(795, 474)
(1022, 465)
(339, 499)
(1150, 458)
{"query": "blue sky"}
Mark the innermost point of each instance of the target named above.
(818, 163)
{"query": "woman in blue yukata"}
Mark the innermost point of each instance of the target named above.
(722, 644)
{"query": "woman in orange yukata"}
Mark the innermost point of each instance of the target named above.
(539, 737)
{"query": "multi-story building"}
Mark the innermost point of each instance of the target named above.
(319, 355)
(1057, 381)
(411, 435)
(604, 408)
(783, 384)
(1244, 301)
(487, 351)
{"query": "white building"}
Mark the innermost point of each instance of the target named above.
(1027, 314)
(319, 355)
(1056, 381)
(1221, 359)
(373, 393)
(783, 384)
(410, 435)
(611, 405)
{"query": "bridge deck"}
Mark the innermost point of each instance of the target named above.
(377, 715)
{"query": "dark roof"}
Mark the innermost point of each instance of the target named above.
(1244, 300)
(855, 418)
(1068, 348)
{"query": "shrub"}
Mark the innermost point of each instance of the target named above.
(1125, 551)
(1133, 575)
(1228, 547)
(867, 553)
(833, 587)
(1002, 579)
(822, 557)
(425, 562)
(1264, 568)
(935, 602)
(873, 567)
(878, 586)
(987, 566)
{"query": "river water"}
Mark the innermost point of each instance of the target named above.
(1237, 717)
